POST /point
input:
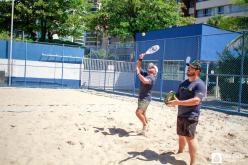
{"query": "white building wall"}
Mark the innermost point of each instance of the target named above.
(229, 9)
(38, 69)
(212, 3)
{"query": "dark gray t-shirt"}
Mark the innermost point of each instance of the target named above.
(145, 89)
(188, 90)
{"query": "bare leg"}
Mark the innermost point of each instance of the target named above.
(182, 143)
(140, 115)
(192, 149)
(144, 113)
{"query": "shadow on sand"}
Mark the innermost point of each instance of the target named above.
(149, 155)
(115, 131)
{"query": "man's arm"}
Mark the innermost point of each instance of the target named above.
(198, 93)
(138, 70)
(139, 63)
(190, 102)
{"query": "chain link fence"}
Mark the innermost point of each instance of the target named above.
(224, 59)
(224, 62)
(227, 78)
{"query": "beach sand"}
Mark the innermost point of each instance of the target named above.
(73, 127)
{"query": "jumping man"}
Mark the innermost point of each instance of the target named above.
(147, 80)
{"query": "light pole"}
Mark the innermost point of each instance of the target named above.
(11, 43)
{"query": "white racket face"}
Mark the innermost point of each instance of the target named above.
(152, 49)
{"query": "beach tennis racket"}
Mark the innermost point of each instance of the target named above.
(152, 49)
(169, 97)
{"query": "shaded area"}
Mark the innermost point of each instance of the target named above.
(225, 107)
(149, 155)
(114, 131)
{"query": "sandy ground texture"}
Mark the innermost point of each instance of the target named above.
(73, 127)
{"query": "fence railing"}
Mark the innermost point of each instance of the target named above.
(226, 77)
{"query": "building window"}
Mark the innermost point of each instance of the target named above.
(200, 13)
(191, 4)
(174, 70)
(236, 9)
(221, 10)
(204, 13)
(207, 12)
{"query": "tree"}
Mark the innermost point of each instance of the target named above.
(65, 18)
(229, 23)
(127, 17)
(241, 2)
(235, 23)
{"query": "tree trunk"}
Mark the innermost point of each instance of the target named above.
(43, 31)
(50, 36)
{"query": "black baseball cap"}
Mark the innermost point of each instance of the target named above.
(195, 64)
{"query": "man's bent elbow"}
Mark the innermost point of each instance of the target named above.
(197, 101)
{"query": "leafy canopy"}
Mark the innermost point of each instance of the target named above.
(126, 17)
(63, 17)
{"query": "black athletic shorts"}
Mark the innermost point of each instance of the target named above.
(186, 127)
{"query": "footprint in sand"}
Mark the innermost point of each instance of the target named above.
(70, 142)
(110, 118)
(82, 145)
(131, 124)
(230, 136)
(12, 126)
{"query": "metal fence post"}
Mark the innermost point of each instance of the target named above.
(134, 65)
(162, 69)
(105, 70)
(80, 73)
(89, 65)
(115, 64)
(206, 85)
(241, 70)
(11, 44)
(217, 87)
(62, 73)
(25, 70)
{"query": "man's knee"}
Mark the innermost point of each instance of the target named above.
(139, 112)
(191, 141)
(189, 138)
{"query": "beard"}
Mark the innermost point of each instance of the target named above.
(190, 74)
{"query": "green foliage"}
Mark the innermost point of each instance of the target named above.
(236, 23)
(96, 54)
(65, 18)
(127, 17)
(232, 54)
(241, 2)
(4, 35)
(229, 23)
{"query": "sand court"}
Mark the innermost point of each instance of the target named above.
(65, 126)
